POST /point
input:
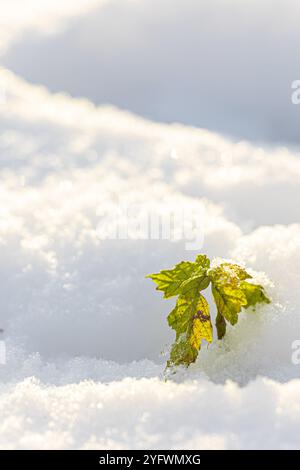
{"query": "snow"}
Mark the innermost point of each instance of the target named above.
(85, 332)
(47, 17)
(148, 413)
(211, 63)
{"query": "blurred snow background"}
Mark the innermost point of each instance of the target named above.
(224, 65)
(84, 329)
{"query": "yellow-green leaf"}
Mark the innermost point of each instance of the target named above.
(190, 318)
(191, 321)
(231, 292)
(254, 293)
(229, 302)
(184, 278)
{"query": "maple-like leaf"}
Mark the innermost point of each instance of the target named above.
(184, 277)
(231, 292)
(254, 293)
(190, 318)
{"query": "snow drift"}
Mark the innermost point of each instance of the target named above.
(84, 329)
(223, 65)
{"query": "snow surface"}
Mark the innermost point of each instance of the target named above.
(45, 17)
(220, 64)
(85, 330)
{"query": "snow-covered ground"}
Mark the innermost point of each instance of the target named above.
(84, 329)
(85, 332)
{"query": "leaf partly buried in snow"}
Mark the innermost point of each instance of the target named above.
(231, 292)
(254, 293)
(191, 316)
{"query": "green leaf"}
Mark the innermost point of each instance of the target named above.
(229, 302)
(254, 293)
(228, 274)
(191, 321)
(231, 292)
(190, 318)
(234, 270)
(185, 277)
